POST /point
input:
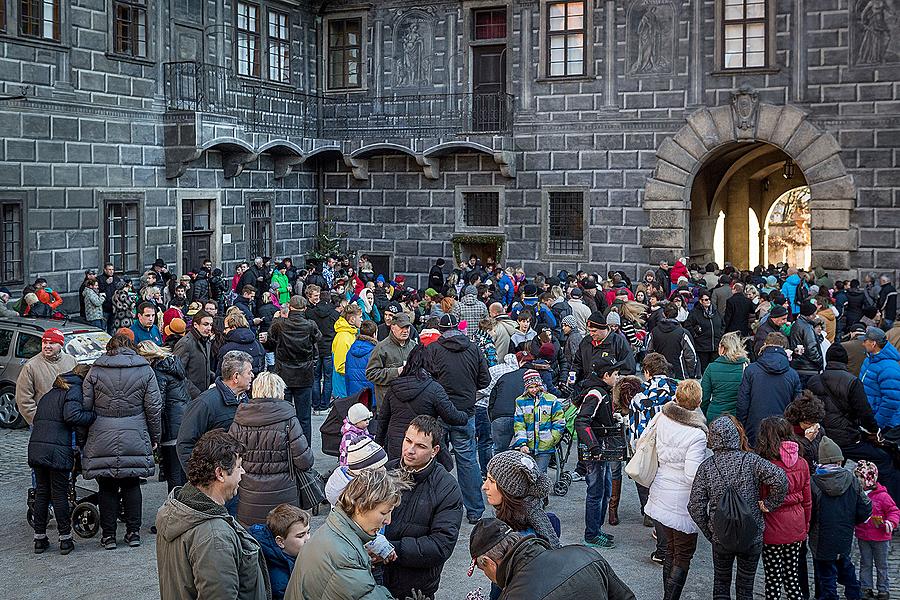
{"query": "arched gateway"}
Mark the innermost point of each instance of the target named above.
(741, 132)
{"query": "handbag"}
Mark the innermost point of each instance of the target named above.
(643, 465)
(310, 483)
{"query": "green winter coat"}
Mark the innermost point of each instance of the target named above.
(284, 287)
(334, 564)
(720, 384)
(551, 423)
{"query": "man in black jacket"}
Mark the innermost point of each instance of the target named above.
(706, 326)
(807, 351)
(323, 314)
(738, 309)
(887, 301)
(526, 568)
(108, 282)
(777, 317)
(671, 340)
(436, 276)
(295, 342)
(459, 365)
(600, 345)
(424, 528)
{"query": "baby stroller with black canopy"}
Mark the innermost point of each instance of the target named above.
(331, 428)
(83, 503)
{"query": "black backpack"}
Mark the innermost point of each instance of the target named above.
(733, 520)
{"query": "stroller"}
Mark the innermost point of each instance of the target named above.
(562, 452)
(331, 428)
(84, 503)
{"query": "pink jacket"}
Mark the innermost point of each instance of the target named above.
(882, 506)
(789, 523)
(349, 432)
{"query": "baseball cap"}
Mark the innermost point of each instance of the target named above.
(401, 320)
(874, 334)
(576, 293)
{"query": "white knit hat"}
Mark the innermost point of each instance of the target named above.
(358, 412)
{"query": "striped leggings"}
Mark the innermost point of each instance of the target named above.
(723, 562)
(781, 562)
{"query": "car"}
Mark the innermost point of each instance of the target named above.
(20, 339)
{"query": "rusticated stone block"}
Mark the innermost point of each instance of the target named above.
(840, 188)
(702, 123)
(663, 238)
(820, 149)
(831, 168)
(805, 135)
(667, 219)
(671, 152)
(724, 120)
(768, 119)
(666, 171)
(830, 219)
(657, 190)
(831, 260)
(827, 239)
(687, 139)
(790, 120)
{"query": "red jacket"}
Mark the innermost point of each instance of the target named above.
(679, 269)
(882, 506)
(789, 523)
(50, 298)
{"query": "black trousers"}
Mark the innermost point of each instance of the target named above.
(52, 485)
(128, 490)
(175, 476)
(706, 358)
(723, 562)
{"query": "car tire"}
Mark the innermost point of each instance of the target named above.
(9, 412)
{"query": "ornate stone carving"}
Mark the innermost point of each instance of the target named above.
(875, 31)
(650, 37)
(745, 109)
(413, 50)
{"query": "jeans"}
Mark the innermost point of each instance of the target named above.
(108, 318)
(723, 561)
(51, 484)
(98, 323)
(126, 489)
(874, 553)
(502, 433)
(321, 397)
(302, 399)
(830, 573)
(175, 476)
(596, 503)
(888, 475)
(542, 461)
(680, 546)
(615, 467)
(483, 439)
(462, 440)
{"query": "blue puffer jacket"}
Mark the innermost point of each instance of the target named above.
(355, 370)
(789, 290)
(767, 387)
(880, 375)
(279, 562)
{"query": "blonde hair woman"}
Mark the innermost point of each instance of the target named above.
(276, 449)
(722, 378)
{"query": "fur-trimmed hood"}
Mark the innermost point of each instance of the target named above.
(690, 418)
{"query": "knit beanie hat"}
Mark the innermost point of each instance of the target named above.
(807, 309)
(363, 453)
(867, 474)
(532, 377)
(547, 350)
(613, 318)
(829, 452)
(470, 290)
(837, 353)
(598, 320)
(569, 321)
(54, 336)
(517, 475)
(126, 332)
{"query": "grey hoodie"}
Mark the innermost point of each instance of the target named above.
(745, 471)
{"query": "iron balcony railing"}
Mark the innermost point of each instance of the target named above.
(198, 87)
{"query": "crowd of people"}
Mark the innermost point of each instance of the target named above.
(741, 395)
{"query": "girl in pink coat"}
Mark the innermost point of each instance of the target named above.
(874, 536)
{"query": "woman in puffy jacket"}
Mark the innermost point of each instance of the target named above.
(722, 378)
(239, 336)
(788, 525)
(173, 390)
(121, 389)
(357, 359)
(681, 448)
(276, 450)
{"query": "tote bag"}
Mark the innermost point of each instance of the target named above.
(643, 465)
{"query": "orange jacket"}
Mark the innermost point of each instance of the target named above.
(49, 297)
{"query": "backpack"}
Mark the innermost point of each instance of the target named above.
(801, 294)
(733, 520)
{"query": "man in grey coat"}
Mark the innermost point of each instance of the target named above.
(195, 351)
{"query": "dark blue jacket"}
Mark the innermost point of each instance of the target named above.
(213, 409)
(507, 289)
(58, 413)
(243, 339)
(880, 375)
(838, 504)
(279, 562)
(355, 368)
(768, 386)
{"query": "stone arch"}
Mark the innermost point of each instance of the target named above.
(667, 195)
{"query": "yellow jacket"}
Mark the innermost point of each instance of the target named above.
(344, 336)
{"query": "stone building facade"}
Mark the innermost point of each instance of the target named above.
(603, 134)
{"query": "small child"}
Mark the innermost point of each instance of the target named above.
(355, 425)
(839, 503)
(281, 538)
(874, 536)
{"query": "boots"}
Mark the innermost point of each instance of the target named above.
(675, 584)
(614, 502)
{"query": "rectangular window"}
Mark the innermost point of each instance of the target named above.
(122, 235)
(565, 38)
(248, 39)
(344, 54)
(279, 47)
(565, 222)
(481, 209)
(40, 19)
(130, 28)
(2, 15)
(260, 228)
(745, 31)
(12, 250)
(490, 24)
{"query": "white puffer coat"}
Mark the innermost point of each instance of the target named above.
(681, 447)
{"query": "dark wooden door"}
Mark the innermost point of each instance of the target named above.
(196, 233)
(488, 87)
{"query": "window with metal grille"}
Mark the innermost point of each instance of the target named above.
(565, 222)
(481, 209)
(40, 19)
(130, 28)
(121, 235)
(489, 24)
(566, 38)
(279, 47)
(260, 228)
(344, 53)
(248, 39)
(12, 250)
(745, 27)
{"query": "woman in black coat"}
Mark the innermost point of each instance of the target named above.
(239, 336)
(412, 394)
(51, 456)
(175, 397)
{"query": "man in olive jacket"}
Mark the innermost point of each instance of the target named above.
(201, 550)
(389, 356)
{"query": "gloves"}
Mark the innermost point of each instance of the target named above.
(417, 595)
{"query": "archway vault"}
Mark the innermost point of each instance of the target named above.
(667, 195)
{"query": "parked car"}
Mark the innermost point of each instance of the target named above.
(20, 339)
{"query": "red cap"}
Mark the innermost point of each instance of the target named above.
(54, 335)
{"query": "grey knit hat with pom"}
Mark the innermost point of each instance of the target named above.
(517, 475)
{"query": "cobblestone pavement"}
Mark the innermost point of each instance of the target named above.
(92, 573)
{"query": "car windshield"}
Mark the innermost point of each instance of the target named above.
(86, 346)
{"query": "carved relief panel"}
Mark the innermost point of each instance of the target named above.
(413, 50)
(875, 31)
(650, 32)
